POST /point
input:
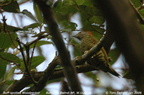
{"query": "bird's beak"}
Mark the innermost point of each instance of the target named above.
(74, 36)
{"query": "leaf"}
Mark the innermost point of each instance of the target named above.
(12, 28)
(79, 2)
(114, 54)
(9, 57)
(64, 12)
(34, 25)
(142, 27)
(57, 5)
(9, 82)
(21, 65)
(137, 3)
(97, 20)
(36, 61)
(9, 74)
(11, 7)
(38, 13)
(68, 25)
(84, 2)
(142, 12)
(30, 15)
(96, 30)
(9, 28)
(76, 46)
(88, 3)
(91, 75)
(97, 35)
(3, 65)
(40, 43)
(67, 10)
(68, 2)
(6, 40)
(44, 91)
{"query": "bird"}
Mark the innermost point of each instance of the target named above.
(99, 60)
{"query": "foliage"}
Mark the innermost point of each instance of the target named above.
(17, 52)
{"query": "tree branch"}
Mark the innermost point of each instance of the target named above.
(139, 16)
(93, 50)
(69, 70)
(78, 62)
(18, 85)
(127, 34)
(46, 75)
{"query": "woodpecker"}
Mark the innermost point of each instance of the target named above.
(99, 60)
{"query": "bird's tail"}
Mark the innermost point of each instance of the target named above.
(112, 71)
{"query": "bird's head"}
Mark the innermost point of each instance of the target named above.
(81, 35)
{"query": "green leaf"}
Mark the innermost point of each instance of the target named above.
(9, 57)
(44, 91)
(30, 15)
(67, 10)
(9, 74)
(12, 28)
(128, 75)
(114, 54)
(3, 65)
(38, 13)
(64, 12)
(6, 40)
(76, 46)
(21, 65)
(79, 2)
(40, 43)
(36, 61)
(93, 77)
(34, 25)
(84, 2)
(98, 35)
(97, 20)
(9, 28)
(68, 2)
(142, 12)
(136, 3)
(9, 82)
(142, 27)
(68, 25)
(96, 30)
(12, 7)
(88, 3)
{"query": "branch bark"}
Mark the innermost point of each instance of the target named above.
(25, 81)
(78, 63)
(127, 34)
(68, 68)
(18, 85)
(94, 49)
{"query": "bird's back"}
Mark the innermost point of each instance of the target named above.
(98, 60)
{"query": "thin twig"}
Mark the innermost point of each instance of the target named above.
(40, 37)
(25, 62)
(58, 73)
(46, 76)
(32, 54)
